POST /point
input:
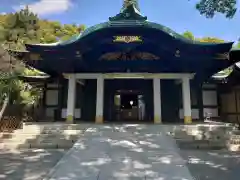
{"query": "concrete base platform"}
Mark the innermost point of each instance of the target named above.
(124, 152)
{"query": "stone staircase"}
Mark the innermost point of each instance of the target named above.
(43, 136)
(207, 136)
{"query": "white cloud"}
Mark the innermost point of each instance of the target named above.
(3, 13)
(46, 7)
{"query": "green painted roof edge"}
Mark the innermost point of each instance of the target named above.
(224, 73)
(85, 33)
(146, 24)
(132, 23)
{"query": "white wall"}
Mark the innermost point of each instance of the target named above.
(209, 98)
(210, 103)
(195, 114)
(51, 97)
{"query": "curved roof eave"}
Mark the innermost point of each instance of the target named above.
(237, 65)
(222, 74)
(49, 44)
(130, 23)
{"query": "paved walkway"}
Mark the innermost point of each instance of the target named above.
(212, 165)
(122, 152)
(27, 164)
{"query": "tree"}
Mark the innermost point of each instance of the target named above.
(209, 8)
(210, 39)
(8, 80)
(238, 44)
(20, 28)
(12, 89)
(17, 29)
(188, 35)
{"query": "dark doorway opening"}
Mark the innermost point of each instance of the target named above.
(129, 106)
(128, 101)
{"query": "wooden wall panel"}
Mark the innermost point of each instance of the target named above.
(237, 94)
(228, 103)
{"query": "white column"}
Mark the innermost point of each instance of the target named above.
(186, 100)
(71, 98)
(157, 100)
(99, 101)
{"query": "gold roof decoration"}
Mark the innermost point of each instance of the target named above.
(128, 56)
(223, 56)
(35, 57)
(127, 39)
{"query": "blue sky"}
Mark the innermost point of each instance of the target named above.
(179, 15)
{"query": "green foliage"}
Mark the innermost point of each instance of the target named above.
(209, 8)
(238, 45)
(188, 35)
(17, 29)
(211, 40)
(24, 27)
(11, 86)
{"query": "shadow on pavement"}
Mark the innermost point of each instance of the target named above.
(27, 164)
(212, 165)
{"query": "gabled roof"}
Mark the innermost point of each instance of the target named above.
(129, 17)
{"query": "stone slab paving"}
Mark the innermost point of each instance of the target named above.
(28, 164)
(122, 152)
(212, 165)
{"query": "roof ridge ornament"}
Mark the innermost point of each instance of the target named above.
(129, 11)
(127, 3)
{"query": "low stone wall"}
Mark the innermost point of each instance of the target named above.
(207, 136)
(43, 136)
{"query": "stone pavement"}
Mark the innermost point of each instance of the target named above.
(28, 164)
(122, 152)
(212, 165)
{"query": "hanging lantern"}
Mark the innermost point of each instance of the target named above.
(177, 53)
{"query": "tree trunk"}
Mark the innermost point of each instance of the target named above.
(5, 103)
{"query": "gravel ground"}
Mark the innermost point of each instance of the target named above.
(212, 165)
(28, 164)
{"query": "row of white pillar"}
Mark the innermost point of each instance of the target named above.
(156, 94)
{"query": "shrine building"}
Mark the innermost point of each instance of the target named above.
(129, 69)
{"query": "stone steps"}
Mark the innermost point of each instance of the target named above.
(44, 136)
(208, 137)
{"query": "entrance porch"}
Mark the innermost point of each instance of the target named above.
(145, 99)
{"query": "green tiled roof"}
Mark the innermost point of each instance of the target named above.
(133, 23)
(130, 17)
